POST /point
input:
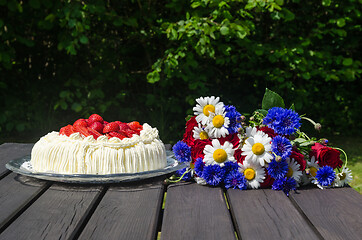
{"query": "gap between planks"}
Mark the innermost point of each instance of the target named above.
(88, 214)
(23, 207)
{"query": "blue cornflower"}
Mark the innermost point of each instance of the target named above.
(230, 166)
(325, 176)
(285, 184)
(277, 170)
(281, 147)
(199, 166)
(233, 116)
(187, 176)
(213, 174)
(282, 121)
(182, 151)
(235, 180)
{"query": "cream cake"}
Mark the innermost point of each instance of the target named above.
(81, 149)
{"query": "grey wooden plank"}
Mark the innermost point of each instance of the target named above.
(193, 211)
(10, 151)
(336, 213)
(128, 211)
(55, 214)
(267, 214)
(16, 193)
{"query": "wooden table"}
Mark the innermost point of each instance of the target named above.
(36, 209)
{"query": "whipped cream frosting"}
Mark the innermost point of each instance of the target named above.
(77, 155)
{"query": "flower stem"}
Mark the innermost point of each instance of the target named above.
(181, 177)
(308, 119)
(344, 153)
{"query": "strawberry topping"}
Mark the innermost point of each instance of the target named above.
(117, 135)
(81, 122)
(94, 118)
(135, 126)
(82, 130)
(111, 127)
(94, 133)
(67, 130)
(95, 126)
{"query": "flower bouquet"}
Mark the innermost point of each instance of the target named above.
(222, 148)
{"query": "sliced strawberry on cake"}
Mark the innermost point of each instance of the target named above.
(81, 122)
(97, 126)
(94, 133)
(111, 127)
(136, 126)
(67, 130)
(94, 118)
(117, 135)
(82, 130)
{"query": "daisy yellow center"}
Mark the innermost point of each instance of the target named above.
(258, 149)
(218, 121)
(207, 109)
(342, 175)
(249, 174)
(204, 135)
(313, 171)
(290, 172)
(220, 155)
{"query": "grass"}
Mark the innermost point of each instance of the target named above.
(353, 147)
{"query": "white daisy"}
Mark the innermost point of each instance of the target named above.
(219, 154)
(313, 167)
(251, 131)
(218, 123)
(294, 170)
(257, 149)
(343, 178)
(253, 173)
(200, 133)
(205, 106)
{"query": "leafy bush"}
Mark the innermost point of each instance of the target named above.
(144, 60)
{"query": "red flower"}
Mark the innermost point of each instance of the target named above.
(268, 131)
(237, 155)
(197, 151)
(268, 181)
(232, 138)
(189, 132)
(299, 158)
(326, 156)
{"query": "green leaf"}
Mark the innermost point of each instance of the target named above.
(195, 4)
(347, 61)
(153, 77)
(77, 107)
(83, 39)
(341, 22)
(326, 2)
(272, 99)
(262, 111)
(224, 30)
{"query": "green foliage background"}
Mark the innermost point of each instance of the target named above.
(149, 60)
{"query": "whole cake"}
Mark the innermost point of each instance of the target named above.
(94, 146)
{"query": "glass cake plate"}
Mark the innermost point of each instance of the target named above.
(23, 166)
